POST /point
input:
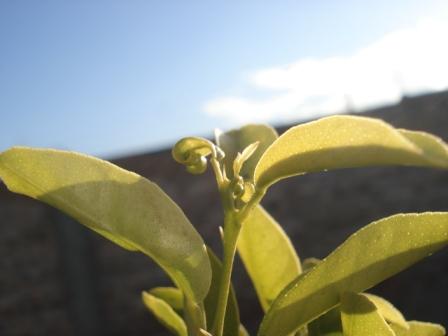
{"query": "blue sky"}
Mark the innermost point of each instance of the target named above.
(115, 77)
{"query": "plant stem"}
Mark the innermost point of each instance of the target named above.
(217, 170)
(231, 231)
(242, 215)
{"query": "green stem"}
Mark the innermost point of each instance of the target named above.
(218, 174)
(232, 226)
(242, 215)
(231, 231)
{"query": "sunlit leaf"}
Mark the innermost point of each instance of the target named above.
(360, 317)
(369, 256)
(268, 255)
(388, 311)
(165, 314)
(242, 331)
(417, 328)
(345, 142)
(236, 141)
(122, 206)
(232, 317)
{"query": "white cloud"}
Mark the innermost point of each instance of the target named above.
(406, 61)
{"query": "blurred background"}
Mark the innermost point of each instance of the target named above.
(124, 80)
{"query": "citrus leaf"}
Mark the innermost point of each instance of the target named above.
(232, 317)
(345, 142)
(235, 141)
(328, 324)
(122, 206)
(242, 331)
(172, 296)
(165, 314)
(268, 255)
(309, 263)
(388, 311)
(242, 157)
(417, 328)
(360, 317)
(194, 316)
(374, 253)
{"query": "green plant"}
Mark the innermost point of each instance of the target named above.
(300, 298)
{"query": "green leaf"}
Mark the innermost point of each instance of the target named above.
(309, 263)
(235, 141)
(194, 313)
(388, 311)
(328, 324)
(194, 316)
(192, 153)
(242, 331)
(232, 317)
(122, 206)
(417, 328)
(267, 254)
(165, 314)
(344, 142)
(172, 296)
(369, 256)
(360, 317)
(242, 157)
(301, 332)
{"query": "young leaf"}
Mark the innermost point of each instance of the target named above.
(360, 317)
(417, 328)
(232, 317)
(388, 311)
(268, 255)
(122, 206)
(344, 142)
(242, 331)
(192, 153)
(242, 157)
(236, 141)
(172, 296)
(369, 256)
(165, 314)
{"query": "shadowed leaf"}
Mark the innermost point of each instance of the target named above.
(122, 206)
(329, 324)
(360, 317)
